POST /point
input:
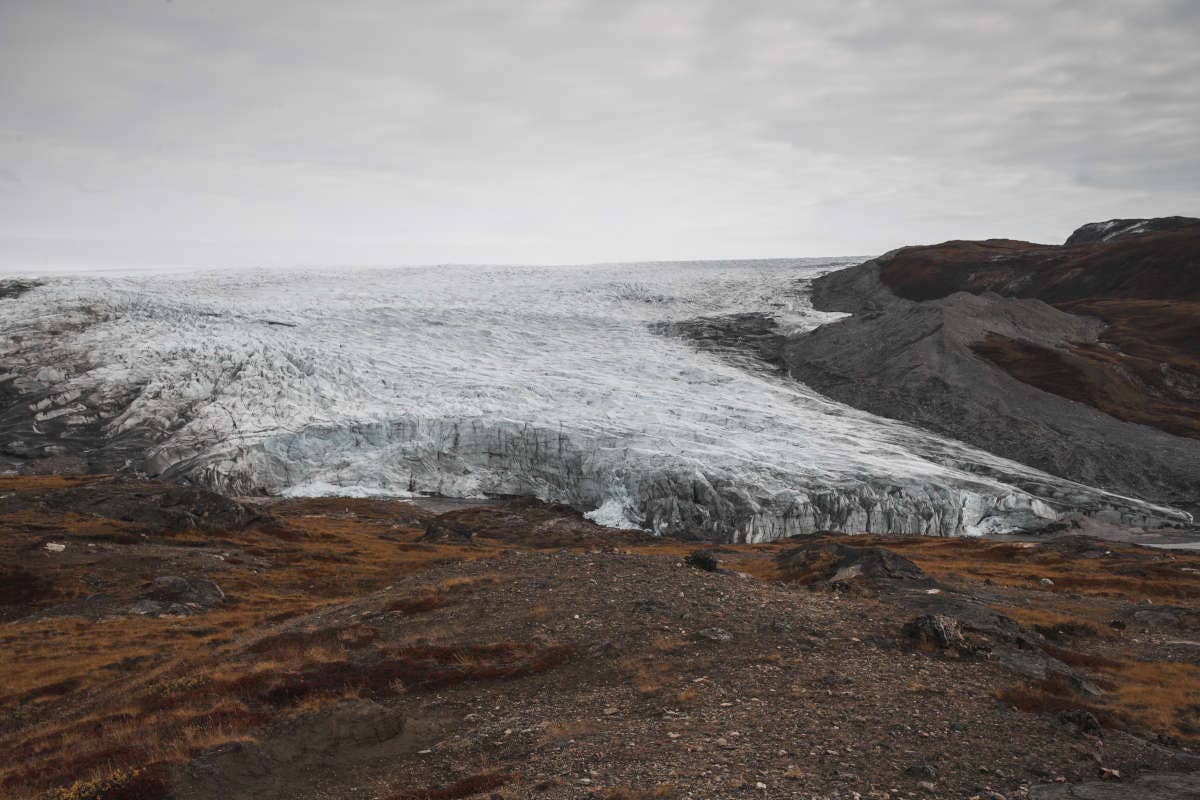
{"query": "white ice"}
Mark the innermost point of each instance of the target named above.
(474, 380)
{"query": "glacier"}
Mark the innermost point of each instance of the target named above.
(474, 381)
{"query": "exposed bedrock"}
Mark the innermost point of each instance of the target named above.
(923, 360)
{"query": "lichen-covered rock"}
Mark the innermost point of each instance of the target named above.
(843, 567)
(197, 591)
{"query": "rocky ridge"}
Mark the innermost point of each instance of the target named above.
(1045, 354)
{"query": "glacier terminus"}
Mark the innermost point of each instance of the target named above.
(472, 381)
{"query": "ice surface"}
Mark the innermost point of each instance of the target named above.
(475, 380)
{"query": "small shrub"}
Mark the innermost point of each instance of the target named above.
(702, 560)
(127, 784)
(19, 586)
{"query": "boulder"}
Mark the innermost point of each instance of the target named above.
(938, 632)
(843, 567)
(702, 560)
(192, 591)
(177, 596)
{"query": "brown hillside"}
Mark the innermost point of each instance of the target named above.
(1146, 368)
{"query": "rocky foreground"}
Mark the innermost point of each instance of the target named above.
(162, 641)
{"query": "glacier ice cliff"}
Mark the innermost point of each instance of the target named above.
(560, 382)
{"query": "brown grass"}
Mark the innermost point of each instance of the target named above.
(1141, 696)
(816, 568)
(1074, 658)
(407, 669)
(87, 697)
(175, 717)
(1054, 625)
(1055, 694)
(92, 750)
(1144, 288)
(444, 593)
(135, 784)
(1124, 376)
(1165, 577)
(25, 483)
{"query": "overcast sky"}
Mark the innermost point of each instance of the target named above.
(392, 132)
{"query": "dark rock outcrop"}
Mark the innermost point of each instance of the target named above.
(178, 596)
(523, 520)
(702, 560)
(16, 287)
(834, 565)
(176, 589)
(946, 621)
(19, 587)
(1094, 232)
(46, 429)
(155, 506)
(752, 334)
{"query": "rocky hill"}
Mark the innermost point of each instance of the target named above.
(1081, 359)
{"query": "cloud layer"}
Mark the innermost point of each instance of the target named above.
(213, 134)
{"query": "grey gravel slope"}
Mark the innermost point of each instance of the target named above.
(913, 361)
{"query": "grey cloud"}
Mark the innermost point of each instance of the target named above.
(585, 130)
